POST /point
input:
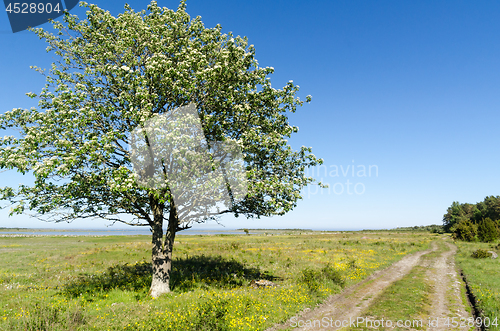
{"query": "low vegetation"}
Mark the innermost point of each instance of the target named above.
(101, 283)
(433, 228)
(481, 273)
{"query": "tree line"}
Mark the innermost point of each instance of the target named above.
(474, 222)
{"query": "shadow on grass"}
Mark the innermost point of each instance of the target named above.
(187, 274)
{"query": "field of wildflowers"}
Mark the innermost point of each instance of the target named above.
(102, 283)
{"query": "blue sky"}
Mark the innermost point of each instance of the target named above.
(411, 89)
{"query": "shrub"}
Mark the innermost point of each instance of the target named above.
(480, 254)
(465, 230)
(487, 230)
(333, 274)
(313, 278)
(437, 230)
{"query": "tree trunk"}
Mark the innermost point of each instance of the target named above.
(162, 251)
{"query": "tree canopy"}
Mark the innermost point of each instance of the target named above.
(114, 74)
(470, 221)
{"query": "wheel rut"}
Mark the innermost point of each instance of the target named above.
(345, 307)
(447, 305)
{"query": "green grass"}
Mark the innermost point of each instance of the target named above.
(483, 278)
(406, 300)
(101, 283)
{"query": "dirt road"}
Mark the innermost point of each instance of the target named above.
(445, 300)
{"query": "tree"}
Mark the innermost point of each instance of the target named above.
(459, 212)
(492, 204)
(464, 230)
(487, 230)
(455, 213)
(117, 73)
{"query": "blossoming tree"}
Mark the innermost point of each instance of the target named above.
(115, 75)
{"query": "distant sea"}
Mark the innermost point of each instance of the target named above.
(142, 231)
(115, 232)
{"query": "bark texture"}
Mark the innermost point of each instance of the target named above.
(162, 249)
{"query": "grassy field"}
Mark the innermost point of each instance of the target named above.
(483, 276)
(82, 283)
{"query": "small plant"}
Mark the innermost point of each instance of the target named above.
(246, 232)
(480, 254)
